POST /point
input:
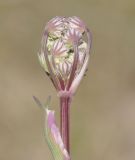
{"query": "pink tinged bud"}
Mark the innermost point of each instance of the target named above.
(54, 139)
(64, 69)
(55, 24)
(80, 75)
(65, 52)
(58, 48)
(73, 36)
(77, 23)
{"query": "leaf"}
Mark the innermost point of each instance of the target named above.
(54, 139)
(42, 106)
(52, 133)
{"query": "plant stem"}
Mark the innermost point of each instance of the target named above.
(64, 121)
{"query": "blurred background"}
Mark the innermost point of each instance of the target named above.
(103, 110)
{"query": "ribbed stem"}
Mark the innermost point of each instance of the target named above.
(64, 121)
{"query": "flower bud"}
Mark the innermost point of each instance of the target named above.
(65, 51)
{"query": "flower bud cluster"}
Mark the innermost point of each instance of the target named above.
(65, 50)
